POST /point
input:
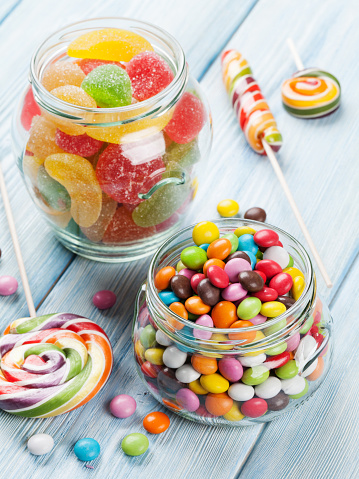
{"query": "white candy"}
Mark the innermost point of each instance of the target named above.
(241, 392)
(305, 351)
(187, 374)
(40, 444)
(310, 369)
(163, 339)
(174, 358)
(269, 388)
(250, 361)
(294, 385)
(277, 254)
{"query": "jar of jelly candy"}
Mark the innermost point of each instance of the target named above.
(249, 373)
(109, 136)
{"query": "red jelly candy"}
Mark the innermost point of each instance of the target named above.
(149, 74)
(266, 238)
(217, 276)
(255, 407)
(29, 109)
(266, 294)
(81, 145)
(273, 362)
(89, 64)
(187, 120)
(281, 282)
(269, 267)
(123, 179)
(122, 228)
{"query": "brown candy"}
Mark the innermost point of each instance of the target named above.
(251, 281)
(278, 402)
(286, 300)
(181, 286)
(208, 293)
(238, 254)
(256, 214)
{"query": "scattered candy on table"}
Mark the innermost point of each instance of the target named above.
(123, 406)
(135, 444)
(256, 214)
(104, 299)
(40, 444)
(228, 208)
(8, 285)
(87, 449)
(156, 422)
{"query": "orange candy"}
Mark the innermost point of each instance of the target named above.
(171, 404)
(164, 276)
(156, 422)
(318, 371)
(213, 262)
(195, 305)
(247, 337)
(224, 314)
(218, 404)
(219, 248)
(204, 365)
(180, 310)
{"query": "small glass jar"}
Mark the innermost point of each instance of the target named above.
(159, 181)
(224, 356)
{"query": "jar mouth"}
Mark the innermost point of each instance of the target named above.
(54, 47)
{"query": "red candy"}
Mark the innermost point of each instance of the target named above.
(270, 268)
(187, 120)
(29, 110)
(89, 64)
(281, 282)
(150, 369)
(266, 294)
(149, 74)
(217, 276)
(122, 179)
(122, 228)
(255, 407)
(266, 238)
(196, 279)
(262, 275)
(273, 362)
(82, 145)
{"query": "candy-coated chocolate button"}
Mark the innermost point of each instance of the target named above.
(135, 444)
(272, 309)
(218, 404)
(231, 369)
(281, 282)
(8, 285)
(288, 371)
(246, 243)
(274, 328)
(156, 422)
(256, 214)
(277, 349)
(197, 388)
(269, 267)
(168, 297)
(205, 232)
(251, 281)
(294, 385)
(269, 388)
(266, 238)
(266, 294)
(277, 361)
(255, 407)
(163, 277)
(235, 266)
(195, 305)
(249, 308)
(123, 406)
(234, 414)
(154, 356)
(255, 375)
(87, 449)
(244, 230)
(278, 402)
(293, 272)
(298, 287)
(173, 357)
(302, 393)
(277, 254)
(228, 208)
(208, 293)
(181, 286)
(148, 336)
(241, 392)
(224, 314)
(193, 257)
(187, 399)
(234, 241)
(203, 364)
(217, 276)
(219, 249)
(40, 444)
(214, 383)
(186, 374)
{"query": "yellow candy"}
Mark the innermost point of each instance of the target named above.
(234, 414)
(42, 138)
(109, 44)
(244, 230)
(30, 167)
(214, 383)
(140, 350)
(77, 175)
(197, 388)
(259, 336)
(155, 356)
(218, 338)
(205, 232)
(293, 272)
(228, 208)
(272, 309)
(298, 287)
(61, 74)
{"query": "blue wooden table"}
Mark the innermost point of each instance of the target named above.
(319, 160)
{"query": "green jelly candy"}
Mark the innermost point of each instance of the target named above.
(279, 349)
(303, 393)
(307, 325)
(148, 336)
(193, 257)
(135, 444)
(249, 308)
(288, 371)
(182, 157)
(109, 86)
(255, 375)
(291, 262)
(274, 328)
(234, 241)
(52, 191)
(73, 228)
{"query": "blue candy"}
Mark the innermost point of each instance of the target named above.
(204, 246)
(252, 258)
(168, 297)
(87, 449)
(246, 243)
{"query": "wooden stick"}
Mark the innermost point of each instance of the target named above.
(15, 241)
(284, 184)
(297, 59)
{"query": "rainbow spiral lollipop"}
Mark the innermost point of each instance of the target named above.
(52, 364)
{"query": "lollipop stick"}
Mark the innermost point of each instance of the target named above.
(15, 240)
(297, 59)
(296, 212)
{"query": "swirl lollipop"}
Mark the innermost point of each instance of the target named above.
(51, 364)
(310, 93)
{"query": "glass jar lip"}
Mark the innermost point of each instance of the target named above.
(297, 306)
(151, 106)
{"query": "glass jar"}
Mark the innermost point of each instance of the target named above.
(126, 213)
(303, 332)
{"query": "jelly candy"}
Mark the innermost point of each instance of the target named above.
(30, 167)
(188, 119)
(123, 229)
(29, 109)
(123, 175)
(77, 175)
(61, 74)
(74, 95)
(42, 138)
(149, 75)
(108, 44)
(81, 145)
(97, 230)
(52, 191)
(109, 86)
(89, 64)
(182, 157)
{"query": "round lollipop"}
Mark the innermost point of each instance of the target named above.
(311, 92)
(50, 364)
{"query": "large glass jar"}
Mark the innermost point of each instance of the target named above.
(165, 344)
(125, 211)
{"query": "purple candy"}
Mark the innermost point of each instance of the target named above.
(234, 292)
(123, 406)
(204, 320)
(187, 399)
(234, 267)
(104, 299)
(231, 369)
(8, 285)
(259, 319)
(187, 272)
(293, 342)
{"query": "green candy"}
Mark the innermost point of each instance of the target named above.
(192, 317)
(52, 191)
(249, 308)
(135, 444)
(274, 328)
(299, 395)
(259, 254)
(193, 257)
(291, 262)
(307, 325)
(279, 349)
(182, 157)
(288, 371)
(180, 266)
(148, 336)
(255, 375)
(109, 86)
(234, 241)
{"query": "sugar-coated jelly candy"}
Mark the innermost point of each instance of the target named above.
(74, 95)
(108, 44)
(96, 231)
(182, 157)
(52, 191)
(188, 119)
(30, 167)
(61, 74)
(42, 138)
(123, 229)
(82, 145)
(89, 64)
(109, 86)
(29, 109)
(77, 175)
(149, 75)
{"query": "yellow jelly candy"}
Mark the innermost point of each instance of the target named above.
(214, 383)
(298, 287)
(42, 138)
(109, 44)
(197, 388)
(228, 208)
(77, 175)
(234, 414)
(61, 74)
(30, 167)
(155, 356)
(293, 272)
(96, 232)
(244, 230)
(205, 232)
(272, 309)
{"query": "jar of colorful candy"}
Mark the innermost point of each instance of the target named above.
(109, 136)
(228, 328)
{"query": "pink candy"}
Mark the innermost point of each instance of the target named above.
(204, 320)
(259, 319)
(8, 285)
(123, 406)
(187, 272)
(187, 399)
(293, 342)
(234, 292)
(231, 369)
(234, 267)
(104, 299)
